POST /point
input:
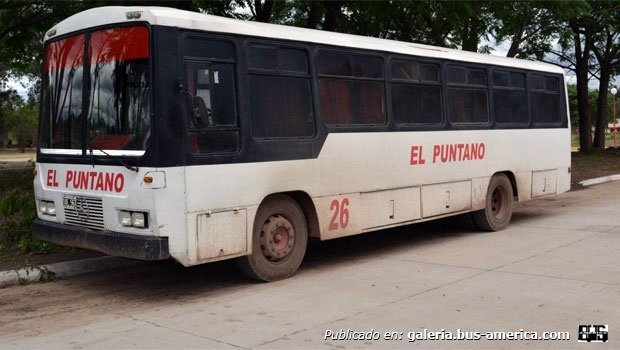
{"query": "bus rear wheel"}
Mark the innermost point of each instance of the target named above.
(279, 240)
(498, 208)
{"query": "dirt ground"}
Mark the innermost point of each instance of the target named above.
(583, 167)
(589, 166)
(13, 155)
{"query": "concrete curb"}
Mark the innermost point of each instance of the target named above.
(63, 269)
(600, 180)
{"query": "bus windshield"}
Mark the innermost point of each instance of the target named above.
(101, 102)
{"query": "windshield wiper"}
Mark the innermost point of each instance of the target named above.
(92, 157)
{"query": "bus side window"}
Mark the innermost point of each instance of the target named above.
(467, 95)
(545, 99)
(509, 98)
(280, 92)
(416, 92)
(351, 88)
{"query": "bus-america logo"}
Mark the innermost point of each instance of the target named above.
(87, 180)
(593, 333)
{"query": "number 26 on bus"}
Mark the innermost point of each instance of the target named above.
(340, 214)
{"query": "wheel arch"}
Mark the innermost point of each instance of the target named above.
(513, 182)
(307, 206)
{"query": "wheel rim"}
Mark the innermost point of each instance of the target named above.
(276, 238)
(499, 203)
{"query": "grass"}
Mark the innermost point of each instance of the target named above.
(574, 140)
(595, 164)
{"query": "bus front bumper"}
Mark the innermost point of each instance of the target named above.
(107, 242)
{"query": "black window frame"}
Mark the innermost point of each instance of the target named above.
(269, 72)
(391, 81)
(510, 125)
(560, 93)
(447, 86)
(317, 77)
(239, 128)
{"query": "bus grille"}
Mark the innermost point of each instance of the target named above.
(85, 211)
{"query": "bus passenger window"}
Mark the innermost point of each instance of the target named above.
(510, 107)
(544, 99)
(405, 70)
(536, 82)
(476, 77)
(280, 92)
(517, 80)
(545, 107)
(467, 106)
(467, 103)
(351, 88)
(501, 78)
(281, 106)
(346, 102)
(416, 104)
(509, 98)
(429, 72)
(416, 93)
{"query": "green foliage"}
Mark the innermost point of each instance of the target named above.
(22, 122)
(592, 105)
(17, 210)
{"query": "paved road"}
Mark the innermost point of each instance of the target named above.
(556, 267)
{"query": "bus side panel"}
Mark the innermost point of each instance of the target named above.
(353, 163)
(218, 195)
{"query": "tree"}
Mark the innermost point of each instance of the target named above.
(606, 49)
(22, 122)
(529, 27)
(9, 101)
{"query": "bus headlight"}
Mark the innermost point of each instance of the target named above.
(43, 207)
(47, 207)
(137, 219)
(51, 209)
(124, 218)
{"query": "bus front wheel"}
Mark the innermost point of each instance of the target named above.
(279, 240)
(498, 208)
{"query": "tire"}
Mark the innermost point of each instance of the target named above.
(279, 240)
(498, 208)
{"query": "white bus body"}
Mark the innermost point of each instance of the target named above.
(359, 181)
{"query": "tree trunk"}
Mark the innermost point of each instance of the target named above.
(585, 126)
(517, 38)
(601, 112)
(333, 10)
(263, 10)
(582, 55)
(469, 35)
(314, 15)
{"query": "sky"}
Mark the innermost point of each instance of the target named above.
(21, 86)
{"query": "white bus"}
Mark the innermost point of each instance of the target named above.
(173, 134)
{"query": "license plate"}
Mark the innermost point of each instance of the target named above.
(69, 202)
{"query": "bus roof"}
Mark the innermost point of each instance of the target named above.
(193, 20)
